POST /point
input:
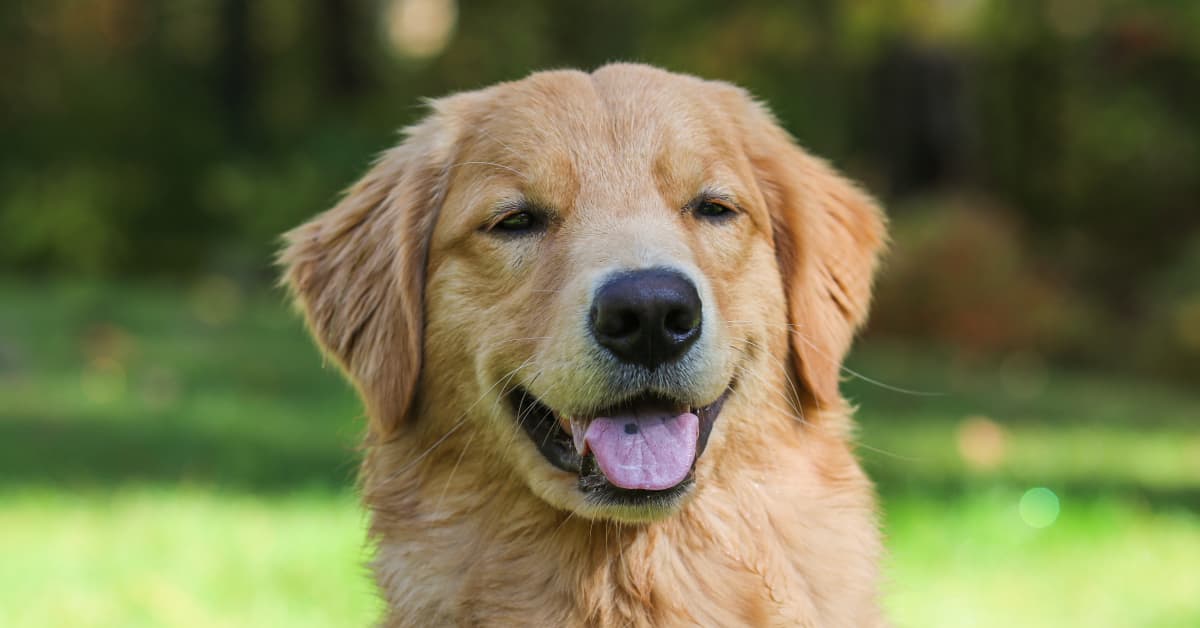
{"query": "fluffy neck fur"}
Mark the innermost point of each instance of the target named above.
(786, 541)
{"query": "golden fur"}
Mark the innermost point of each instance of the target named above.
(432, 319)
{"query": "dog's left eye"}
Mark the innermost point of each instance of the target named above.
(517, 222)
(713, 209)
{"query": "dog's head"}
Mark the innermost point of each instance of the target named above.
(602, 276)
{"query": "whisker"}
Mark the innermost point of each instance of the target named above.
(521, 417)
(454, 428)
(494, 139)
(493, 164)
(510, 340)
(392, 476)
(849, 371)
(450, 477)
(512, 435)
(559, 527)
(798, 408)
(800, 419)
(897, 389)
(858, 443)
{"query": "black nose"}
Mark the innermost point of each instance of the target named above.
(647, 317)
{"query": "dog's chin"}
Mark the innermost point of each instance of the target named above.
(575, 466)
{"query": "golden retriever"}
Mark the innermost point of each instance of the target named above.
(597, 321)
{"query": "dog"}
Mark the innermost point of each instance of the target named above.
(597, 322)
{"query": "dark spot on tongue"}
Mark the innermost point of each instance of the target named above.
(631, 428)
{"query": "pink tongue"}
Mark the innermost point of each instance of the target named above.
(650, 451)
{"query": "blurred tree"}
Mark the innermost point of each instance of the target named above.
(237, 68)
(170, 138)
(340, 27)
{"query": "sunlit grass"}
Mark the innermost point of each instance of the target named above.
(1102, 562)
(190, 557)
(182, 557)
(1120, 458)
(168, 462)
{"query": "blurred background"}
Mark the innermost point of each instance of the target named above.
(174, 452)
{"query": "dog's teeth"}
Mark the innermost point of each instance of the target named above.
(578, 433)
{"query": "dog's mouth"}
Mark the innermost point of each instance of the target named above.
(640, 451)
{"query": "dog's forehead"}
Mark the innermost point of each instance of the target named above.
(591, 112)
(569, 131)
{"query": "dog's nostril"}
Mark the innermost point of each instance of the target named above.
(615, 322)
(682, 320)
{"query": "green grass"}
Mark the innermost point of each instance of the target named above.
(179, 456)
(183, 557)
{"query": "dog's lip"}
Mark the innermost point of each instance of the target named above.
(545, 427)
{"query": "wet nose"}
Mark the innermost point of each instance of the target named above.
(647, 317)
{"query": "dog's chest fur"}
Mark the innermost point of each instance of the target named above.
(745, 551)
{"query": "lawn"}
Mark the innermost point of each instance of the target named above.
(177, 455)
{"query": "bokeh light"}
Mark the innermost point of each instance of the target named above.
(982, 443)
(216, 300)
(420, 28)
(1039, 507)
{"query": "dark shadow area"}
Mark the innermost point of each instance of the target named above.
(74, 454)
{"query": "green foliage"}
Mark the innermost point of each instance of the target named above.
(960, 273)
(174, 139)
(1171, 340)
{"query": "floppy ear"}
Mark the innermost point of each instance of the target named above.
(357, 272)
(828, 237)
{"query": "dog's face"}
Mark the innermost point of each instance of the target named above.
(593, 253)
(597, 276)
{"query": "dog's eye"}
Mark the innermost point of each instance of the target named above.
(713, 209)
(517, 222)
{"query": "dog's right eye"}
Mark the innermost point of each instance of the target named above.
(516, 221)
(519, 221)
